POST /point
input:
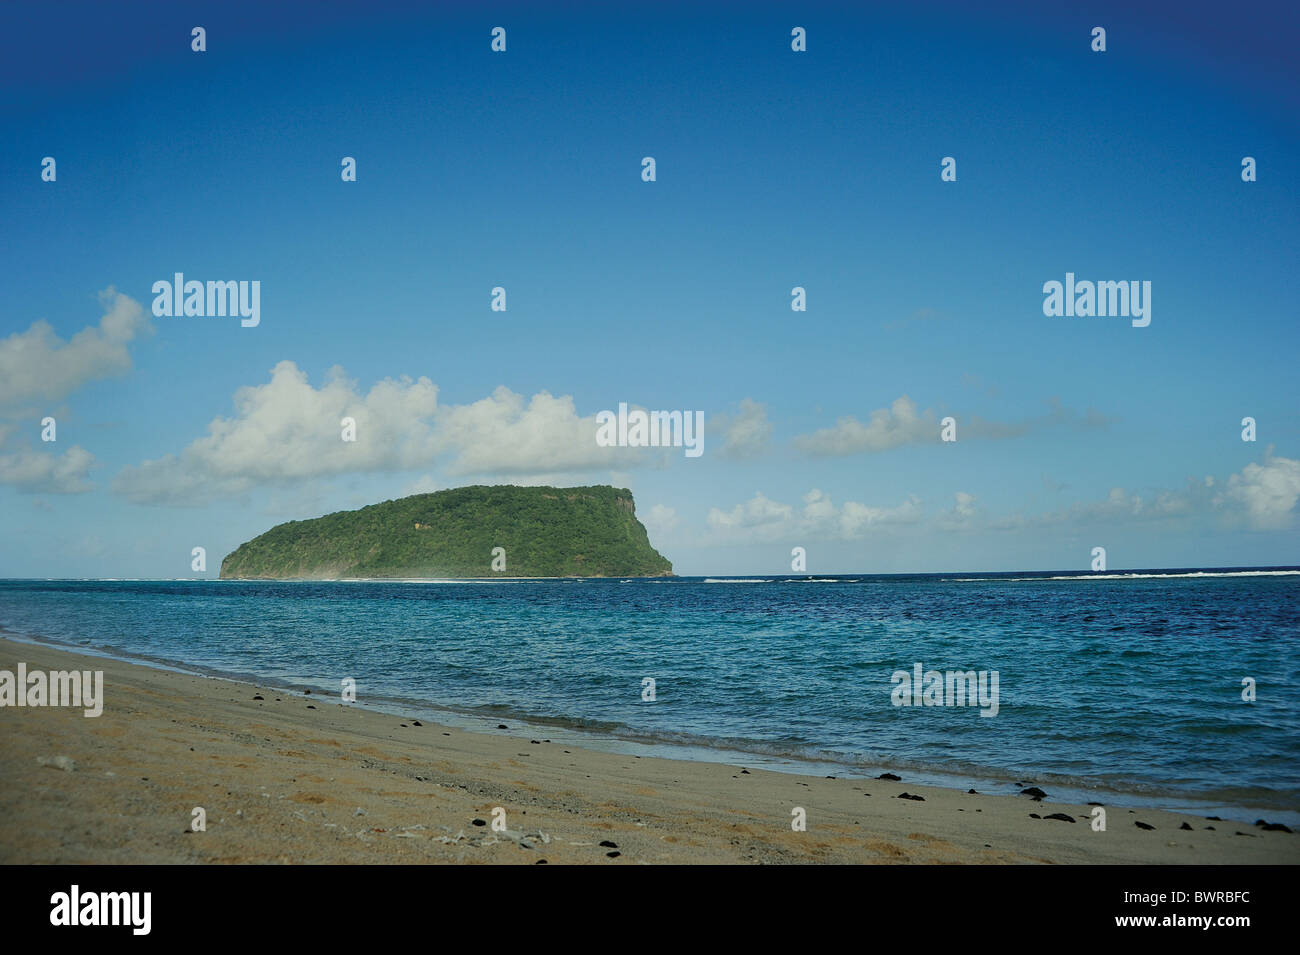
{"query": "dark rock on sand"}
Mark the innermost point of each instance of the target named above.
(1185, 826)
(1033, 791)
(911, 796)
(478, 822)
(1061, 816)
(1143, 825)
(890, 776)
(606, 844)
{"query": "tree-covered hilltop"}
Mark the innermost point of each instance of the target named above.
(545, 532)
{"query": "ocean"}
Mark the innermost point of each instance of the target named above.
(1124, 688)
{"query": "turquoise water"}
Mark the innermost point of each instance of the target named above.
(1122, 684)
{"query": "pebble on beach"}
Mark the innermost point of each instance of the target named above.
(65, 763)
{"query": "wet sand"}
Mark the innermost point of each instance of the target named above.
(292, 778)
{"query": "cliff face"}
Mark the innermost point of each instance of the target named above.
(500, 531)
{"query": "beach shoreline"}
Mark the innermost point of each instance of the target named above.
(627, 742)
(303, 778)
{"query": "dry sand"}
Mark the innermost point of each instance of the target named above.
(294, 778)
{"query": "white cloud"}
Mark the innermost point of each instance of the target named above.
(507, 434)
(759, 512)
(1268, 492)
(965, 506)
(888, 428)
(965, 513)
(36, 365)
(659, 521)
(856, 518)
(1261, 497)
(47, 472)
(286, 431)
(903, 424)
(746, 433)
(761, 518)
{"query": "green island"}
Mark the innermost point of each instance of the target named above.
(541, 532)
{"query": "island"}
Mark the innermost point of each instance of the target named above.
(479, 531)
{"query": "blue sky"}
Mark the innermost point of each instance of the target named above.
(775, 169)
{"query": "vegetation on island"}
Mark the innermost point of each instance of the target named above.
(541, 531)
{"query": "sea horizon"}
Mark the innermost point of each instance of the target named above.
(755, 577)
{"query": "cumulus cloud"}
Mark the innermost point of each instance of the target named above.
(1119, 506)
(965, 506)
(855, 519)
(964, 514)
(761, 518)
(887, 428)
(1266, 492)
(47, 472)
(659, 521)
(1261, 497)
(758, 512)
(37, 365)
(286, 431)
(507, 434)
(902, 423)
(746, 433)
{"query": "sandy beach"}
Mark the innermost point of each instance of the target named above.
(290, 778)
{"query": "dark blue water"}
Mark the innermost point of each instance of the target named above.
(1127, 684)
